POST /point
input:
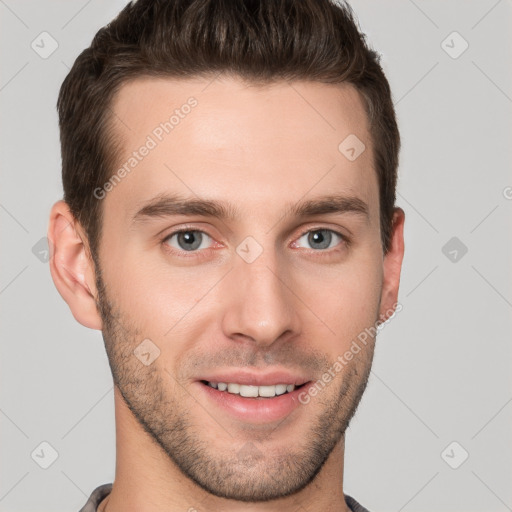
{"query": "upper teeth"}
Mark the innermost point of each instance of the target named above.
(252, 391)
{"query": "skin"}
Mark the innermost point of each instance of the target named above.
(295, 307)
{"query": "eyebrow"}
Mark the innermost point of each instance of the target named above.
(165, 205)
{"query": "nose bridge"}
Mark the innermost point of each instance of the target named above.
(261, 306)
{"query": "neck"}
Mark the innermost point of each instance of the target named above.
(147, 479)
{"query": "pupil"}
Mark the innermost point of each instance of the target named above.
(191, 241)
(317, 237)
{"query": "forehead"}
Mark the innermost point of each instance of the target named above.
(222, 138)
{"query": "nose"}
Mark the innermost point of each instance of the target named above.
(260, 302)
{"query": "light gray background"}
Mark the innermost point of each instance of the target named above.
(442, 365)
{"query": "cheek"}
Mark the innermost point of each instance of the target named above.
(345, 300)
(158, 295)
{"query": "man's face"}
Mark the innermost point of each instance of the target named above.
(262, 296)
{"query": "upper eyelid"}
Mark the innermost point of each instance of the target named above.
(322, 228)
(184, 230)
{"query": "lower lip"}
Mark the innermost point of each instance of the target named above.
(255, 410)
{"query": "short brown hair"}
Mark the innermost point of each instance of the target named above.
(257, 40)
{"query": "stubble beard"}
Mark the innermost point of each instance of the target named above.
(247, 474)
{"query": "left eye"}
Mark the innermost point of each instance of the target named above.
(188, 240)
(321, 238)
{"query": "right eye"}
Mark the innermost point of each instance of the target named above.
(187, 240)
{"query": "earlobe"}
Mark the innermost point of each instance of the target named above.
(71, 266)
(392, 267)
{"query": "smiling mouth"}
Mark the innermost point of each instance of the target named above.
(248, 391)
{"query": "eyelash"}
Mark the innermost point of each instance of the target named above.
(201, 253)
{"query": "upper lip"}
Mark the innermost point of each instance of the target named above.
(257, 379)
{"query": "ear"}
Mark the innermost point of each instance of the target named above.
(71, 265)
(392, 267)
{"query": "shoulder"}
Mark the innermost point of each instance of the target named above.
(96, 497)
(354, 505)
